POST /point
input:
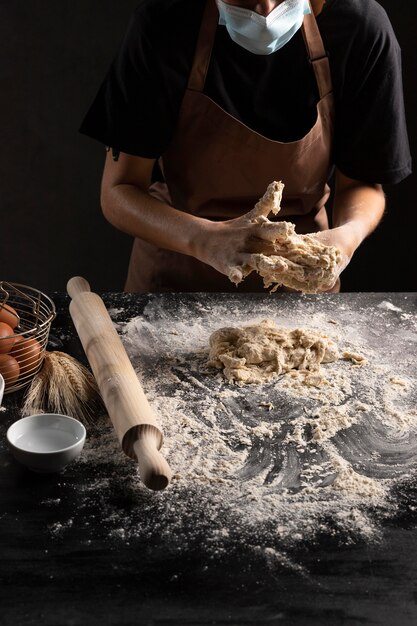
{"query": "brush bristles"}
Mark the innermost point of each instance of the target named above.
(64, 386)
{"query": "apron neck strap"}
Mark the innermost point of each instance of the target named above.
(204, 46)
(317, 6)
(207, 33)
(317, 54)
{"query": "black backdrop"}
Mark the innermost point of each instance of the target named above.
(54, 54)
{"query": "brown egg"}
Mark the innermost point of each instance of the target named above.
(27, 353)
(9, 369)
(7, 338)
(17, 339)
(8, 315)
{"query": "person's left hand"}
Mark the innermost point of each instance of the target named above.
(342, 238)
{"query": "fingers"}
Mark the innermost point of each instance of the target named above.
(259, 262)
(271, 238)
(334, 288)
(327, 238)
(272, 264)
(276, 231)
(267, 248)
(260, 246)
(236, 273)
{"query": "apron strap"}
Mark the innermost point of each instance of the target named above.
(204, 47)
(317, 54)
(206, 35)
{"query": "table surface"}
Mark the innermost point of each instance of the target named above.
(61, 565)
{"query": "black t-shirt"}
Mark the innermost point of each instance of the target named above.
(136, 108)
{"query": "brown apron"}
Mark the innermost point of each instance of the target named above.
(216, 167)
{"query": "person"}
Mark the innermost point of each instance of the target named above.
(208, 101)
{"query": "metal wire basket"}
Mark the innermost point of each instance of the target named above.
(22, 354)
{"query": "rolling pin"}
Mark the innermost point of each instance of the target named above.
(132, 417)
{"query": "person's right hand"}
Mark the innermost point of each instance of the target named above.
(229, 245)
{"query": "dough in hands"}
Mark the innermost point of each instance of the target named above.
(261, 352)
(308, 265)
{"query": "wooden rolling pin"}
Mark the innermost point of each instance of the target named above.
(122, 393)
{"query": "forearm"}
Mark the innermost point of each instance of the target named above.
(127, 205)
(221, 244)
(135, 212)
(357, 210)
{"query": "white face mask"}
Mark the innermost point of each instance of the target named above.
(260, 34)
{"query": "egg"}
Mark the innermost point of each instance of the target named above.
(27, 353)
(9, 316)
(7, 338)
(9, 369)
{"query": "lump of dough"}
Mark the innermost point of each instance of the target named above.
(307, 265)
(261, 352)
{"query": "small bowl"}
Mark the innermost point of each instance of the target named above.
(46, 442)
(1, 388)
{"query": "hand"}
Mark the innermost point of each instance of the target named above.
(343, 238)
(228, 246)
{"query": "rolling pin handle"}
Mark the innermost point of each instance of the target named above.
(77, 285)
(154, 471)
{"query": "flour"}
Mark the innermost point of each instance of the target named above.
(386, 304)
(324, 423)
(263, 470)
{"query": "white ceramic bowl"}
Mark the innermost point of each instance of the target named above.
(1, 388)
(46, 442)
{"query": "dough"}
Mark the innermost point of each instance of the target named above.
(261, 352)
(357, 359)
(307, 265)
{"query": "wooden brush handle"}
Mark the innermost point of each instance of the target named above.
(122, 393)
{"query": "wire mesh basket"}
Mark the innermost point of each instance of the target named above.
(29, 314)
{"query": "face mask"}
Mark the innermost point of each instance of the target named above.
(260, 34)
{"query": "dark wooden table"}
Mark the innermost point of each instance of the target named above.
(85, 576)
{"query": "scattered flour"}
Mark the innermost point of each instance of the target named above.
(386, 304)
(266, 467)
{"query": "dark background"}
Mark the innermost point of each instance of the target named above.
(54, 54)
